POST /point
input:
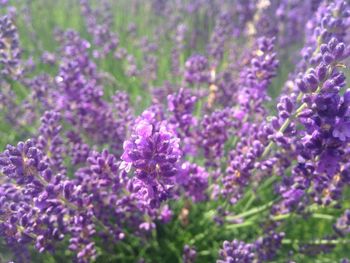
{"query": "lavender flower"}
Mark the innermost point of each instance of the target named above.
(179, 39)
(181, 105)
(236, 251)
(342, 226)
(222, 31)
(194, 181)
(38, 199)
(189, 254)
(9, 49)
(245, 160)
(99, 23)
(262, 250)
(50, 141)
(196, 70)
(153, 152)
(214, 132)
(256, 78)
(323, 109)
(268, 245)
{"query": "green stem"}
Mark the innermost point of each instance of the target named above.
(251, 212)
(250, 200)
(240, 225)
(272, 143)
(204, 253)
(323, 216)
(314, 215)
(316, 242)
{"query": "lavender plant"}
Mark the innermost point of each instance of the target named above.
(174, 131)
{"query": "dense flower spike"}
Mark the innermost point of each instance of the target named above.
(245, 160)
(324, 115)
(214, 132)
(194, 181)
(104, 39)
(153, 152)
(181, 105)
(342, 226)
(223, 30)
(262, 250)
(10, 51)
(268, 245)
(80, 96)
(314, 103)
(50, 141)
(236, 251)
(196, 70)
(256, 77)
(37, 210)
(189, 254)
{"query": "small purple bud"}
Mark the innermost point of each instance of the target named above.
(328, 58)
(311, 82)
(43, 196)
(347, 96)
(301, 85)
(332, 44)
(24, 221)
(284, 114)
(339, 80)
(324, 48)
(339, 50)
(67, 190)
(321, 72)
(47, 174)
(305, 113)
(288, 104)
(275, 123)
(16, 160)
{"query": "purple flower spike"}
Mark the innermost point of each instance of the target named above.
(153, 152)
(197, 70)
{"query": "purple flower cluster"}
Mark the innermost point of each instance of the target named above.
(256, 78)
(153, 152)
(262, 250)
(222, 32)
(214, 132)
(81, 96)
(325, 117)
(236, 251)
(196, 70)
(245, 160)
(10, 52)
(181, 105)
(103, 36)
(189, 254)
(342, 226)
(321, 107)
(34, 207)
(50, 141)
(193, 180)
